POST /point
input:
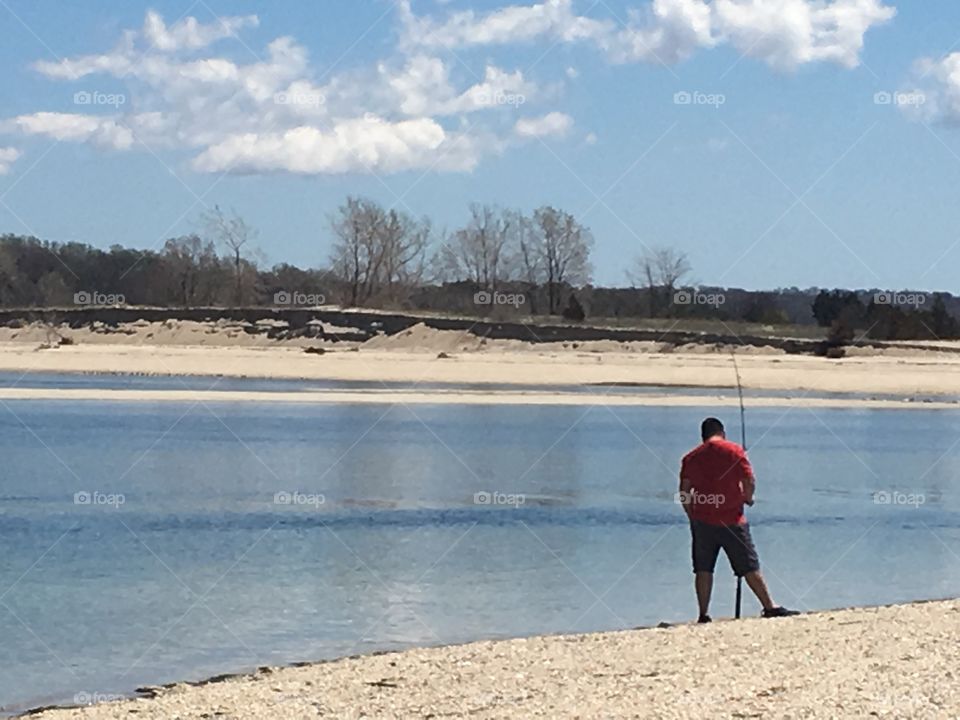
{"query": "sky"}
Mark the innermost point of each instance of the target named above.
(777, 143)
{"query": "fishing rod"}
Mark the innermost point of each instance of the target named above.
(743, 442)
(743, 421)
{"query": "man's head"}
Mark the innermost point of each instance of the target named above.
(711, 427)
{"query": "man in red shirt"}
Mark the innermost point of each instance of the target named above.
(716, 481)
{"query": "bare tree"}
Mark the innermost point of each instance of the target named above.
(660, 271)
(482, 251)
(528, 256)
(403, 242)
(233, 233)
(378, 254)
(352, 257)
(558, 252)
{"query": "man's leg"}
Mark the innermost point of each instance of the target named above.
(740, 550)
(706, 547)
(704, 585)
(759, 586)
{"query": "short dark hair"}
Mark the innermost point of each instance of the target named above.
(710, 427)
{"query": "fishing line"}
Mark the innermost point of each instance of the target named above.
(743, 442)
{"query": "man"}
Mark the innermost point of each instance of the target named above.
(716, 480)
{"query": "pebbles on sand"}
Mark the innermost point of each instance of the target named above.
(892, 662)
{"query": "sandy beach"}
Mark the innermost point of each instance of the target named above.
(890, 662)
(422, 356)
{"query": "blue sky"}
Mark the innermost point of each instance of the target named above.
(786, 168)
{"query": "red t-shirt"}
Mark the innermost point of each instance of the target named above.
(715, 470)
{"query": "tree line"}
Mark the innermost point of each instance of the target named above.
(380, 257)
(885, 315)
(501, 262)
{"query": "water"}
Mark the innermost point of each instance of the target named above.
(200, 571)
(110, 381)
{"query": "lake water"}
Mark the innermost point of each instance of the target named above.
(252, 534)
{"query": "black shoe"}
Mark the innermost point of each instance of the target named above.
(779, 612)
(704, 619)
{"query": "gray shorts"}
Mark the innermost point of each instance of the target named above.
(735, 541)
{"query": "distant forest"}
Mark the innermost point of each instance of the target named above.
(502, 263)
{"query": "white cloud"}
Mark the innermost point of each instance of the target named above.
(155, 37)
(782, 33)
(270, 115)
(421, 85)
(117, 63)
(671, 31)
(193, 101)
(104, 132)
(8, 156)
(424, 87)
(361, 145)
(935, 96)
(190, 34)
(554, 19)
(498, 88)
(788, 33)
(553, 124)
(413, 110)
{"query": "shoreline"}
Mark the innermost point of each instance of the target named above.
(510, 371)
(573, 676)
(462, 397)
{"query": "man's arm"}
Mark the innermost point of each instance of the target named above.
(749, 485)
(686, 497)
(748, 482)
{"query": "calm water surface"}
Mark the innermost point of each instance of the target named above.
(388, 540)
